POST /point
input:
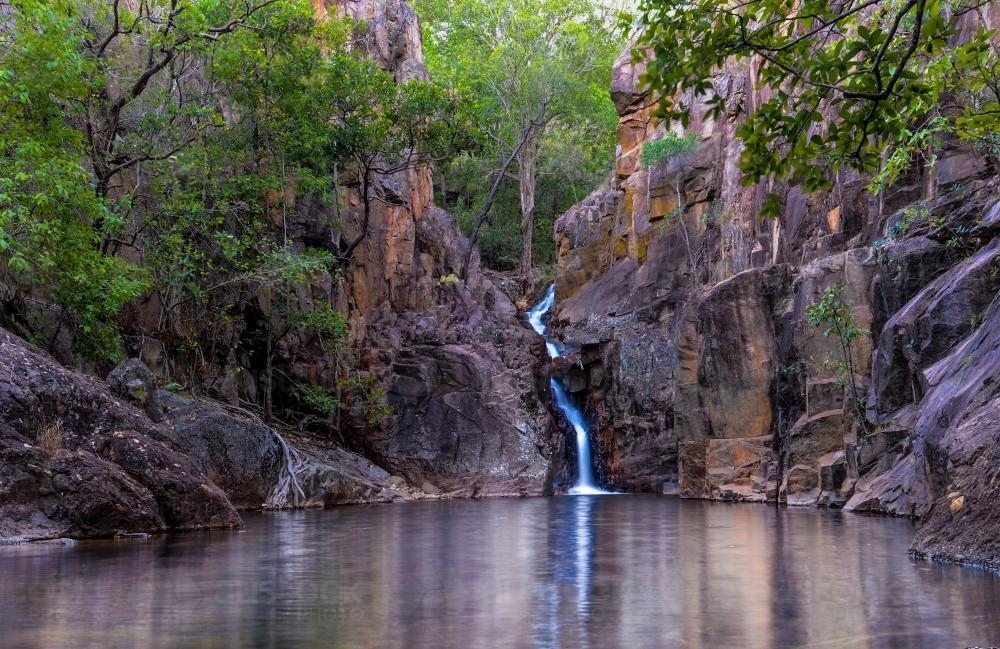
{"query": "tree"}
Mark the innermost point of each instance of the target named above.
(677, 148)
(384, 127)
(836, 315)
(374, 125)
(848, 80)
(95, 94)
(150, 145)
(528, 69)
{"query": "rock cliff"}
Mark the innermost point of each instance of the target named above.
(459, 368)
(457, 364)
(78, 460)
(698, 365)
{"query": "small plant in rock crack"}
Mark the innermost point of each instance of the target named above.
(960, 241)
(909, 217)
(833, 312)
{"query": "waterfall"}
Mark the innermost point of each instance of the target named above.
(586, 483)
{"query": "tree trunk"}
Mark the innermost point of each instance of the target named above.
(526, 176)
(484, 214)
(366, 200)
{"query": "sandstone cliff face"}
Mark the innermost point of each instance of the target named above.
(456, 362)
(696, 359)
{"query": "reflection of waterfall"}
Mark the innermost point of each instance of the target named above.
(584, 542)
(568, 608)
(585, 481)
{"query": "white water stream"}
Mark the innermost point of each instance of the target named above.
(586, 483)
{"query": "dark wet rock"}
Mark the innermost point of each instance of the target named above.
(79, 462)
(71, 493)
(957, 438)
(134, 382)
(247, 458)
(238, 453)
(462, 421)
(929, 325)
(334, 476)
(463, 373)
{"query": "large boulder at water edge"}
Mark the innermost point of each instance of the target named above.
(77, 461)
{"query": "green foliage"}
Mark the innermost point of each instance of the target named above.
(909, 217)
(534, 70)
(161, 147)
(51, 221)
(909, 146)
(850, 80)
(835, 314)
(316, 399)
(668, 147)
(369, 397)
(325, 321)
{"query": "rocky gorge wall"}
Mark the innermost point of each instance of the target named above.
(698, 365)
(457, 365)
(464, 375)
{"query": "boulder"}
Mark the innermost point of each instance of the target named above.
(79, 462)
(134, 382)
(237, 452)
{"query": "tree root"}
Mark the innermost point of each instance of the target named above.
(287, 492)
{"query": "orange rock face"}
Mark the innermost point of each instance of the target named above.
(691, 311)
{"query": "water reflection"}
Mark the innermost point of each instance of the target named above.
(542, 573)
(566, 593)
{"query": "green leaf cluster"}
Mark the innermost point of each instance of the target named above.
(847, 81)
(668, 147)
(833, 312)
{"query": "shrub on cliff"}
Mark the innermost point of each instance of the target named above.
(156, 156)
(850, 80)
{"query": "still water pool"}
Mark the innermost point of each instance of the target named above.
(600, 572)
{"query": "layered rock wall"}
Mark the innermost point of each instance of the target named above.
(457, 364)
(696, 358)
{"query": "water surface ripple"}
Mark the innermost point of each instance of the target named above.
(604, 572)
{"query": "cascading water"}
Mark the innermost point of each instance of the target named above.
(586, 484)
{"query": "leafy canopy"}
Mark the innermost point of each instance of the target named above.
(667, 147)
(534, 70)
(846, 79)
(154, 146)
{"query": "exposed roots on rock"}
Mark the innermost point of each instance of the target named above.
(287, 492)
